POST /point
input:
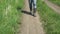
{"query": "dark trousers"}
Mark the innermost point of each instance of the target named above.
(32, 4)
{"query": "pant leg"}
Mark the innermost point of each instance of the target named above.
(34, 6)
(34, 3)
(31, 2)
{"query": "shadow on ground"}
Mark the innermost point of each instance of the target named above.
(26, 12)
(23, 11)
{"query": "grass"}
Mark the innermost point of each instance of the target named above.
(50, 19)
(57, 2)
(9, 16)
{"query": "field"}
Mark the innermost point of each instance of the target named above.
(57, 2)
(50, 19)
(10, 15)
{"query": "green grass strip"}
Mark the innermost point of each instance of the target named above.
(57, 2)
(51, 19)
(10, 16)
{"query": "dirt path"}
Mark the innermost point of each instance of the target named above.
(30, 24)
(53, 6)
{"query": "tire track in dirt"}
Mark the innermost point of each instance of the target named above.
(53, 6)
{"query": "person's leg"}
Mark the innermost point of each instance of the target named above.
(34, 3)
(31, 1)
(34, 6)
